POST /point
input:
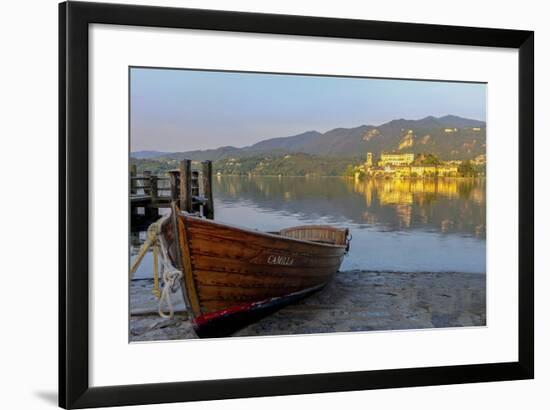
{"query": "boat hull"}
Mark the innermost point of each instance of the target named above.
(225, 322)
(233, 276)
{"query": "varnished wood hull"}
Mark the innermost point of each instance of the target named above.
(232, 274)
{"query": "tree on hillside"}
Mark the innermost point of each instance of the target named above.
(467, 169)
(429, 159)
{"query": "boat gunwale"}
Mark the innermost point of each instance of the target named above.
(266, 234)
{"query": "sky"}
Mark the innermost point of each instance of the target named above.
(174, 110)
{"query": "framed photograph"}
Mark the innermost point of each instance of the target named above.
(257, 204)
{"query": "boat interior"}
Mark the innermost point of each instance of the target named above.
(317, 233)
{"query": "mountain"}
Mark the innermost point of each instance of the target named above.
(448, 121)
(273, 146)
(448, 137)
(210, 154)
(147, 154)
(295, 143)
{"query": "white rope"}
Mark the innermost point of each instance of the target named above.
(153, 232)
(169, 274)
(171, 277)
(171, 280)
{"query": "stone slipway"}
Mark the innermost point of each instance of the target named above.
(352, 301)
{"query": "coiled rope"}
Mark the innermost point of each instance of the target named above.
(169, 274)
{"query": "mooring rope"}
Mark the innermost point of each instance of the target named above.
(152, 235)
(169, 274)
(171, 278)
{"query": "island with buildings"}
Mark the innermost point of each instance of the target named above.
(410, 165)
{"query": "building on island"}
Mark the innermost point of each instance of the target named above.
(368, 163)
(404, 166)
(402, 171)
(424, 170)
(443, 170)
(447, 170)
(395, 159)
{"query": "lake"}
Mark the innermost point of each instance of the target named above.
(412, 225)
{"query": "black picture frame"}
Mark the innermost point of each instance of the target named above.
(74, 388)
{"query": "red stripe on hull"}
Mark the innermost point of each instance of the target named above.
(227, 321)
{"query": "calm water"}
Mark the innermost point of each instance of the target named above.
(400, 225)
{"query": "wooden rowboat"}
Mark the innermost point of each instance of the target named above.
(232, 275)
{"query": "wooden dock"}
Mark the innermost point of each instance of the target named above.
(190, 188)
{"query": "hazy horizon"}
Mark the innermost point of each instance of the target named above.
(184, 110)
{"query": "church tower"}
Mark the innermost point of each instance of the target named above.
(368, 163)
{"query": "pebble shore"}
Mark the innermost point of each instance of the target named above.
(353, 301)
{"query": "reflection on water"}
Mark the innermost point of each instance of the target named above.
(397, 224)
(435, 225)
(442, 205)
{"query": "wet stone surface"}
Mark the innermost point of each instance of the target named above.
(352, 301)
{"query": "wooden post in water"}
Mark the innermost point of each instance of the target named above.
(195, 191)
(145, 183)
(185, 186)
(154, 190)
(153, 184)
(150, 188)
(174, 183)
(133, 173)
(207, 189)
